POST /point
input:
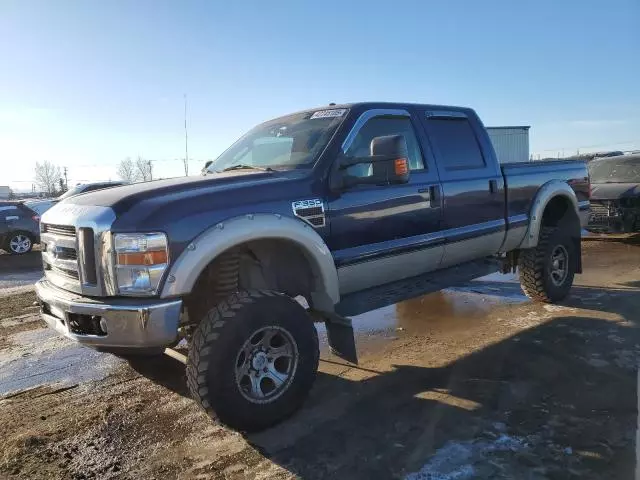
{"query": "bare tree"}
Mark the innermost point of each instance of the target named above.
(47, 176)
(144, 169)
(127, 170)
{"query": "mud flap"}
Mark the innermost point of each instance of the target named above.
(340, 337)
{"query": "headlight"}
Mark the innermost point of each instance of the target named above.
(141, 260)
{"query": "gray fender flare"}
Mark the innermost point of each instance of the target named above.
(546, 193)
(212, 242)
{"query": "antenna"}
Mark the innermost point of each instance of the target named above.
(186, 140)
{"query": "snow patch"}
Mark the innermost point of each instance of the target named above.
(457, 460)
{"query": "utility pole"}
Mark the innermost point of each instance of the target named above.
(186, 140)
(66, 181)
(150, 170)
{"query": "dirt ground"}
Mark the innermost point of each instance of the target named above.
(472, 382)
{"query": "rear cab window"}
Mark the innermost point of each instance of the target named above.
(455, 142)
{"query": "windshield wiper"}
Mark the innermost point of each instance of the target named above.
(247, 167)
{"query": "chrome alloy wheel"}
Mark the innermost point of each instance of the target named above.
(20, 243)
(266, 364)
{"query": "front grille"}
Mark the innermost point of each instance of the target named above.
(60, 256)
(62, 230)
(67, 272)
(63, 253)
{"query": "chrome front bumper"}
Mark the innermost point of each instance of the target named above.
(128, 322)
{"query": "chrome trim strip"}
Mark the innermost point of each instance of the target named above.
(517, 220)
(463, 233)
(364, 117)
(415, 243)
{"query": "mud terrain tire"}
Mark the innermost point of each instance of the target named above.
(547, 270)
(253, 359)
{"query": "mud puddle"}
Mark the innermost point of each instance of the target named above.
(42, 357)
(448, 310)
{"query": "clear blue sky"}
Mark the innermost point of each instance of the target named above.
(90, 83)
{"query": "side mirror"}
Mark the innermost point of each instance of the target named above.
(206, 166)
(389, 161)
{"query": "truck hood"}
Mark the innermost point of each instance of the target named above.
(614, 191)
(184, 207)
(122, 199)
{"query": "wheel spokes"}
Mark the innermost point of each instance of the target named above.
(265, 364)
(284, 350)
(276, 377)
(256, 387)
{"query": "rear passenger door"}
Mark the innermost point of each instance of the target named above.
(473, 186)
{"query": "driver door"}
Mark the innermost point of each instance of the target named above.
(382, 233)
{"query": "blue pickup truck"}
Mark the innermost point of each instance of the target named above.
(315, 216)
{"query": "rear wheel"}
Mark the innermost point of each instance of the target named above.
(547, 271)
(19, 243)
(253, 359)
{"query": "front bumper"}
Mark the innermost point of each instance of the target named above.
(109, 322)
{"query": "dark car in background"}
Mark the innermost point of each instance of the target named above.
(615, 194)
(41, 206)
(19, 228)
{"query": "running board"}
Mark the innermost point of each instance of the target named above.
(377, 297)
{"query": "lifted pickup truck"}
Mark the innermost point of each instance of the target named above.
(315, 216)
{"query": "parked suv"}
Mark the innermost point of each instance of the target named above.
(19, 228)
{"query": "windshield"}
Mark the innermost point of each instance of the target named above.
(294, 141)
(615, 170)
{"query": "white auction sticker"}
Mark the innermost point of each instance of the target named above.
(335, 112)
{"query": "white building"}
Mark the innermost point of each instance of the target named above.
(510, 143)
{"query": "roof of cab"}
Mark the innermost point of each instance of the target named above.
(370, 105)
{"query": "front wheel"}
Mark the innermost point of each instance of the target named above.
(547, 271)
(19, 243)
(253, 359)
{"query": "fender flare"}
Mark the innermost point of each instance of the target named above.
(546, 193)
(215, 240)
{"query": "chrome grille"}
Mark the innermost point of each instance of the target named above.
(80, 235)
(62, 230)
(60, 256)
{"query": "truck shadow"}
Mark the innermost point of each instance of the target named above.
(569, 383)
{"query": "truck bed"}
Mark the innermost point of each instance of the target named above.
(523, 180)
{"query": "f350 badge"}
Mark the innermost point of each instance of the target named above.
(311, 211)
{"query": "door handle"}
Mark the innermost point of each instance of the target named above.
(493, 186)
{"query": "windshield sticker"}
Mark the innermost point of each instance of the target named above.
(336, 112)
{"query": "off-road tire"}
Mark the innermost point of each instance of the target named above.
(534, 265)
(211, 365)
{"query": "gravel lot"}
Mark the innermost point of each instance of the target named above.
(472, 382)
